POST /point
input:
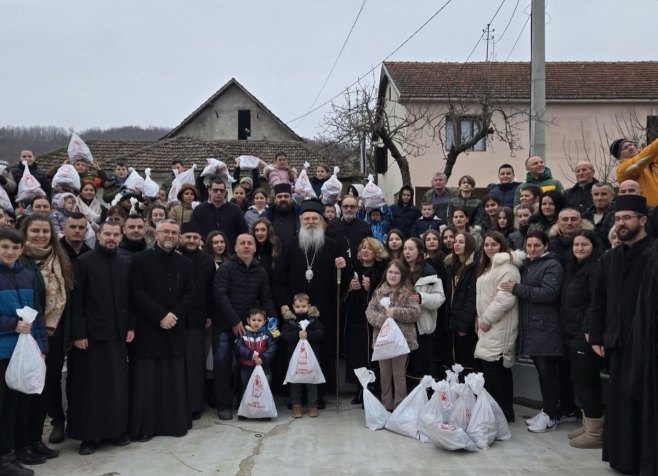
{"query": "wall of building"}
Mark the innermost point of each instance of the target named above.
(219, 121)
(574, 131)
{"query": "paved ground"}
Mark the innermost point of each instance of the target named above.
(332, 444)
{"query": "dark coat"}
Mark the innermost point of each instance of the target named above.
(404, 215)
(314, 331)
(575, 299)
(317, 184)
(237, 288)
(204, 275)
(616, 293)
(579, 197)
(127, 249)
(17, 172)
(602, 228)
(100, 302)
(161, 282)
(227, 218)
(348, 237)
(462, 295)
(286, 225)
(504, 191)
(422, 224)
(260, 341)
(539, 306)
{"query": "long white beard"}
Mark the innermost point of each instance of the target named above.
(311, 239)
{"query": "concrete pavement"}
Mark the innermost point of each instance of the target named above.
(332, 444)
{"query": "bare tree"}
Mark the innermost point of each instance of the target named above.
(407, 130)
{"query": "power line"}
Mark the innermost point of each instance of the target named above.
(338, 57)
(518, 37)
(374, 67)
(510, 21)
(477, 43)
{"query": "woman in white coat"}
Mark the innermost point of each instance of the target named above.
(429, 293)
(497, 324)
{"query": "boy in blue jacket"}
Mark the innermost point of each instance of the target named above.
(17, 290)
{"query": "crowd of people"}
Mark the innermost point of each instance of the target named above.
(163, 308)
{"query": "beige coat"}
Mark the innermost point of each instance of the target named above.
(499, 309)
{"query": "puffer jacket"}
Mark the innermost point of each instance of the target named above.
(539, 306)
(577, 291)
(405, 314)
(499, 309)
(430, 289)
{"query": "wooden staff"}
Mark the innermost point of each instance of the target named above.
(338, 277)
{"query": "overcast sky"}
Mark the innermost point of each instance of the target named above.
(105, 63)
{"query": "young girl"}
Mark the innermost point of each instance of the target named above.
(155, 214)
(405, 311)
(279, 172)
(459, 220)
(394, 242)
(240, 198)
(257, 208)
(268, 246)
(65, 203)
(491, 205)
(216, 246)
(505, 226)
(182, 211)
(447, 239)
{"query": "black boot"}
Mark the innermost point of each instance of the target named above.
(42, 449)
(28, 456)
(9, 466)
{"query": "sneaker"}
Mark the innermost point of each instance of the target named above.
(566, 417)
(543, 424)
(531, 420)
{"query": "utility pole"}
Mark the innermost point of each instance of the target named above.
(538, 80)
(489, 38)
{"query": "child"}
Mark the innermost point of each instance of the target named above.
(427, 220)
(379, 220)
(291, 333)
(329, 212)
(240, 198)
(256, 347)
(405, 310)
(18, 286)
(64, 203)
(491, 204)
(279, 172)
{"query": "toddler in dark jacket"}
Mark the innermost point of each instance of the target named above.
(291, 333)
(427, 220)
(256, 347)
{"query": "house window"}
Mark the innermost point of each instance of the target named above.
(244, 124)
(470, 127)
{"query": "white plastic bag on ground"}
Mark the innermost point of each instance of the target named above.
(390, 342)
(303, 187)
(67, 175)
(184, 178)
(405, 417)
(304, 366)
(78, 148)
(257, 401)
(502, 431)
(331, 188)
(376, 414)
(28, 187)
(26, 372)
(463, 408)
(450, 437)
(373, 196)
(432, 414)
(134, 181)
(248, 162)
(482, 426)
(151, 188)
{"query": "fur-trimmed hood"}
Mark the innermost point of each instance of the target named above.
(554, 230)
(312, 312)
(516, 257)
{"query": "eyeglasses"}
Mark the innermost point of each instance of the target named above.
(625, 218)
(217, 190)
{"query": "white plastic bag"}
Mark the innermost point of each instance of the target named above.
(502, 431)
(450, 437)
(214, 167)
(303, 187)
(151, 189)
(5, 203)
(463, 408)
(134, 181)
(181, 179)
(373, 196)
(257, 401)
(390, 342)
(432, 414)
(67, 175)
(482, 427)
(248, 162)
(376, 414)
(28, 187)
(78, 148)
(405, 418)
(26, 372)
(331, 188)
(304, 366)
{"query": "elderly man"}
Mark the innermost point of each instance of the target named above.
(639, 165)
(540, 175)
(163, 295)
(284, 213)
(308, 264)
(133, 241)
(240, 284)
(440, 196)
(199, 319)
(219, 214)
(580, 195)
(102, 323)
(600, 213)
(348, 231)
(609, 323)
